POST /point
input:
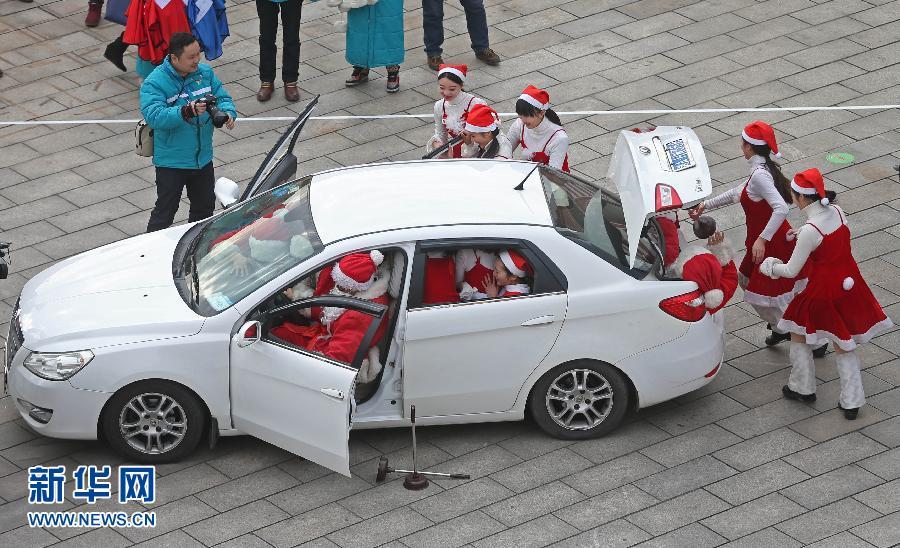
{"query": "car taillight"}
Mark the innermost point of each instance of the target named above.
(687, 307)
(713, 372)
(667, 198)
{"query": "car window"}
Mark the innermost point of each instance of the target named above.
(593, 218)
(251, 244)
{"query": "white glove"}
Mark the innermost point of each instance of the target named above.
(768, 265)
(791, 234)
(467, 292)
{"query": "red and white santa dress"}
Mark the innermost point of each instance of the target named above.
(546, 144)
(440, 279)
(484, 119)
(766, 216)
(836, 304)
(450, 115)
(518, 266)
(711, 267)
(472, 267)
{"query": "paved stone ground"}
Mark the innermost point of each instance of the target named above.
(732, 463)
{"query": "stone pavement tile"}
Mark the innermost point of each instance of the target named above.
(886, 432)
(307, 526)
(835, 453)
(827, 520)
(174, 516)
(645, 47)
(248, 455)
(316, 493)
(766, 537)
(55, 162)
(693, 535)
(763, 94)
(726, 378)
(833, 9)
(666, 21)
(606, 507)
(753, 516)
(580, 66)
(693, 94)
(889, 402)
(677, 512)
(648, 8)
(762, 449)
(532, 504)
(877, 58)
(33, 537)
(614, 473)
(697, 413)
(381, 529)
(477, 464)
(813, 122)
(39, 450)
(12, 434)
(97, 537)
(879, 15)
(760, 11)
(709, 27)
(759, 391)
(765, 418)
(841, 540)
(382, 498)
(825, 53)
(175, 539)
(460, 500)
(38, 210)
(83, 240)
(103, 190)
(236, 522)
(705, 50)
(93, 215)
(885, 498)
(831, 486)
(584, 26)
(305, 470)
(691, 445)
(44, 187)
(832, 423)
(768, 29)
(455, 532)
(882, 532)
(615, 534)
(252, 541)
(763, 361)
(247, 489)
(540, 470)
(685, 477)
(521, 26)
(756, 482)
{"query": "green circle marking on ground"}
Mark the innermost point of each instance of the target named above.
(840, 158)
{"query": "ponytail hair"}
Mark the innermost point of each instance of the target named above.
(830, 194)
(524, 108)
(782, 183)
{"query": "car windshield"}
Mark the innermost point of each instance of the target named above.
(251, 244)
(593, 218)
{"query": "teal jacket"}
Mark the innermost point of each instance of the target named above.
(180, 143)
(375, 35)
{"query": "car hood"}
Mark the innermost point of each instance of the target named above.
(117, 294)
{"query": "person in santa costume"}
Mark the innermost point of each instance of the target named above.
(440, 279)
(764, 198)
(836, 305)
(483, 130)
(451, 110)
(537, 133)
(512, 276)
(708, 264)
(473, 266)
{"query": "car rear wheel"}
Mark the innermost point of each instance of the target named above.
(579, 400)
(154, 422)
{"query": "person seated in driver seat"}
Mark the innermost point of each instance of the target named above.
(512, 276)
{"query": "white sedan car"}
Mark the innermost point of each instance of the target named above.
(158, 341)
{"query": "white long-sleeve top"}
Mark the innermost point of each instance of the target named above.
(761, 186)
(504, 150)
(456, 110)
(537, 139)
(827, 219)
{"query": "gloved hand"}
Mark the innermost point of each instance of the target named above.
(467, 292)
(767, 266)
(791, 234)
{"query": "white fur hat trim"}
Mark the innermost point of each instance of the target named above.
(713, 298)
(848, 283)
(300, 247)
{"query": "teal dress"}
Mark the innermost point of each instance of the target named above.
(375, 35)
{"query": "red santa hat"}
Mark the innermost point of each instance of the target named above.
(482, 119)
(357, 270)
(458, 70)
(760, 133)
(537, 98)
(515, 263)
(270, 237)
(704, 269)
(810, 182)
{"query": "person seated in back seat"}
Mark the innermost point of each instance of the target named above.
(512, 276)
(473, 266)
(440, 279)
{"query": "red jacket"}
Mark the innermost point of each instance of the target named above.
(150, 25)
(347, 333)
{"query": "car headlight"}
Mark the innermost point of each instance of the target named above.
(57, 366)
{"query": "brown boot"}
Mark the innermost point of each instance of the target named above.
(435, 62)
(265, 91)
(92, 19)
(291, 92)
(488, 56)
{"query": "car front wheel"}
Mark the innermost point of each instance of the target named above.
(579, 400)
(153, 422)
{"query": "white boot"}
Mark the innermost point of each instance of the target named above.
(803, 372)
(852, 394)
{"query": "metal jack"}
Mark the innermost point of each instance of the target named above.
(415, 480)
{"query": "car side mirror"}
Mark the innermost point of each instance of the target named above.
(249, 333)
(227, 191)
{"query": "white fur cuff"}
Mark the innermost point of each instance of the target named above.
(768, 266)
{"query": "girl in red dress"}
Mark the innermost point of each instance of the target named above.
(512, 276)
(836, 304)
(764, 198)
(538, 133)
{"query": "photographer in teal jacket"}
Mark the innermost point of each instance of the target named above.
(177, 100)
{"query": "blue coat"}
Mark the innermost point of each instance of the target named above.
(180, 143)
(375, 34)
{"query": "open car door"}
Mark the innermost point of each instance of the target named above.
(657, 171)
(296, 399)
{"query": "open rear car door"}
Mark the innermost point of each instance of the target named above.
(657, 171)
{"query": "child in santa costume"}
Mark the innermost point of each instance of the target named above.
(451, 111)
(709, 265)
(440, 279)
(538, 133)
(483, 130)
(836, 304)
(473, 266)
(512, 276)
(763, 198)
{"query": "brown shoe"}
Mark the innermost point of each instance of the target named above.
(291, 92)
(489, 56)
(265, 91)
(435, 62)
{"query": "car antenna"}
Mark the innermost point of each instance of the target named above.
(521, 185)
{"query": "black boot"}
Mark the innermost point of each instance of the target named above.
(775, 338)
(850, 414)
(820, 352)
(791, 395)
(115, 53)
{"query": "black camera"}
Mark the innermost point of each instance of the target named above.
(4, 265)
(217, 116)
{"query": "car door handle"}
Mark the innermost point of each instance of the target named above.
(332, 393)
(540, 320)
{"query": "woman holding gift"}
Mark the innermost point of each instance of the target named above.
(836, 304)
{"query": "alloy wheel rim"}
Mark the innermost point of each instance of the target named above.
(153, 423)
(579, 399)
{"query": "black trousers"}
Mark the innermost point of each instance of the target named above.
(170, 183)
(268, 28)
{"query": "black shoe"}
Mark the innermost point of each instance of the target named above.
(775, 338)
(115, 53)
(820, 352)
(791, 395)
(850, 414)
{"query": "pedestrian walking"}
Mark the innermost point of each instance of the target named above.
(476, 22)
(268, 12)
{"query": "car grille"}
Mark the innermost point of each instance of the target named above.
(14, 338)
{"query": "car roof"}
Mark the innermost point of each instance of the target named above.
(371, 198)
